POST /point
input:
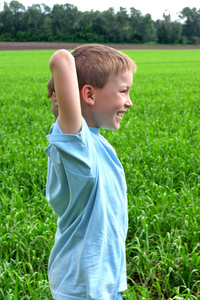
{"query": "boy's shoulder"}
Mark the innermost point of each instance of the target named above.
(83, 142)
(88, 141)
(56, 130)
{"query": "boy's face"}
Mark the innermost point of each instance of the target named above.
(112, 101)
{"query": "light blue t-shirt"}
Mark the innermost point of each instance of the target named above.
(86, 188)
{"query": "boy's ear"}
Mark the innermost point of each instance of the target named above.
(87, 93)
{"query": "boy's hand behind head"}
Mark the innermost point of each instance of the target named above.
(54, 106)
(50, 87)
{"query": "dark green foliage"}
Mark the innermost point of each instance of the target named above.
(65, 23)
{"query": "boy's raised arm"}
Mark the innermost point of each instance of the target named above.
(65, 83)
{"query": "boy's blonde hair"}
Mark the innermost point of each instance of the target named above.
(95, 63)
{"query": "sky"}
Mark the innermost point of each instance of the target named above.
(155, 7)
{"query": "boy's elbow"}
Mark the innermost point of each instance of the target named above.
(59, 56)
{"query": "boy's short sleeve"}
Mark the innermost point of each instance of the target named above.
(75, 151)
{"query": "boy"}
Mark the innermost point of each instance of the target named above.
(86, 184)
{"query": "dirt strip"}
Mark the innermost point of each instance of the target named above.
(54, 46)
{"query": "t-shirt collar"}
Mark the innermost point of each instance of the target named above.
(94, 130)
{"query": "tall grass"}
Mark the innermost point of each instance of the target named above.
(158, 145)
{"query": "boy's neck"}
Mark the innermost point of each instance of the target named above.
(87, 114)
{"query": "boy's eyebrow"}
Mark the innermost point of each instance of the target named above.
(126, 86)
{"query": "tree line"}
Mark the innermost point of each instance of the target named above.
(65, 23)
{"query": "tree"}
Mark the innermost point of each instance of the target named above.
(168, 32)
(16, 7)
(163, 29)
(46, 23)
(12, 17)
(65, 19)
(35, 17)
(98, 23)
(46, 10)
(7, 20)
(135, 21)
(109, 25)
(191, 26)
(148, 30)
(175, 32)
(72, 16)
(123, 28)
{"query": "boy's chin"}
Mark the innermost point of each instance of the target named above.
(116, 127)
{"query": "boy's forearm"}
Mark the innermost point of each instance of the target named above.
(65, 83)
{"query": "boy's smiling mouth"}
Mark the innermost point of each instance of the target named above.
(120, 114)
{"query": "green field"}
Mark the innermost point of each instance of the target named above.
(159, 146)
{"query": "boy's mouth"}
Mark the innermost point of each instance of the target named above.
(120, 114)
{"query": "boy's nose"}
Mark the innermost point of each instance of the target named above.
(128, 102)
